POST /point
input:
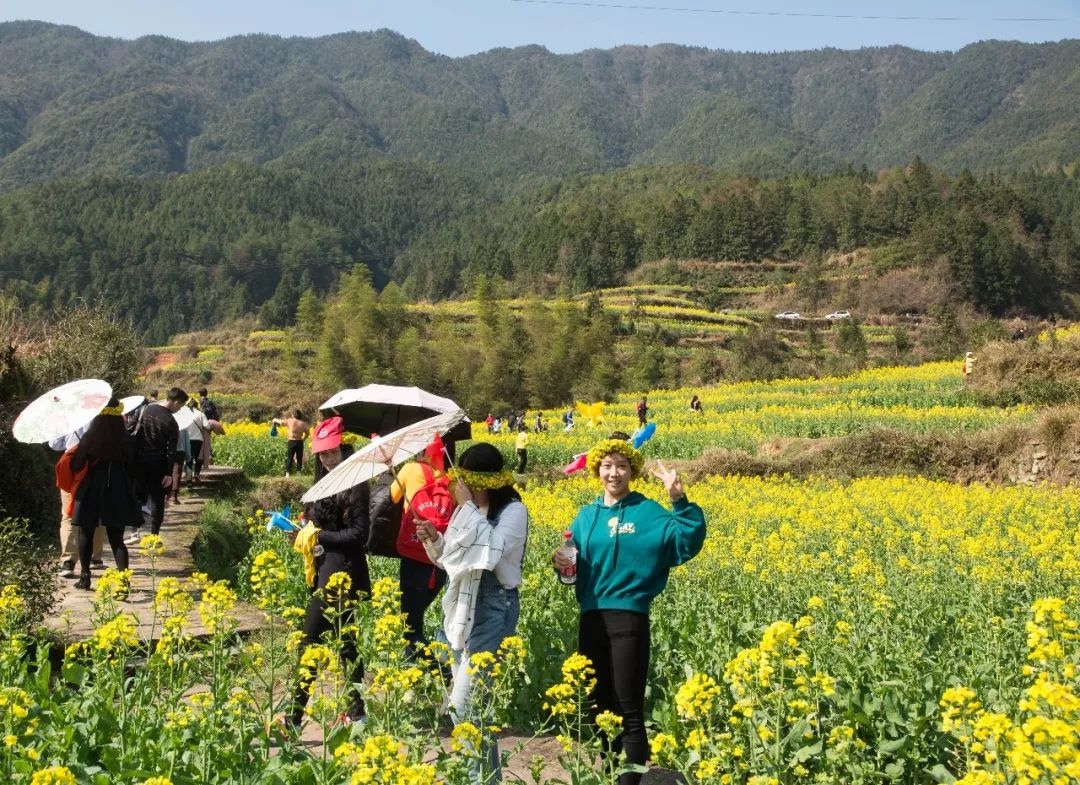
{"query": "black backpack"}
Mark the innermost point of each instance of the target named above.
(385, 516)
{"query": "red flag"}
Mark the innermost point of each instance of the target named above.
(434, 453)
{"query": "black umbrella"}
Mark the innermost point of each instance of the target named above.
(384, 408)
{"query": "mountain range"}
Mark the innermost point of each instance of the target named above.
(73, 104)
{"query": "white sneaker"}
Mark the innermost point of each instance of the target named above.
(133, 538)
(67, 570)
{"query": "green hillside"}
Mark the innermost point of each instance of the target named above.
(75, 104)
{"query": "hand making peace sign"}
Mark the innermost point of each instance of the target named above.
(671, 481)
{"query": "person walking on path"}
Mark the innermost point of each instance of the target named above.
(626, 546)
(207, 406)
(297, 430)
(642, 410)
(106, 495)
(156, 438)
(969, 366)
(198, 434)
(69, 535)
(340, 530)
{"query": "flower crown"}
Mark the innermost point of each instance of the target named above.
(114, 411)
(608, 446)
(484, 481)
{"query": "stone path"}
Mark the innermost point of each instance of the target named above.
(72, 620)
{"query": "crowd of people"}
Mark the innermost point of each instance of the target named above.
(458, 527)
(472, 551)
(117, 473)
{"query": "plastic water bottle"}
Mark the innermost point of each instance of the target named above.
(569, 549)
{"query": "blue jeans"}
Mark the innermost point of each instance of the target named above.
(495, 618)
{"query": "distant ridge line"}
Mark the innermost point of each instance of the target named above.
(804, 14)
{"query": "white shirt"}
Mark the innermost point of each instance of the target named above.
(471, 545)
(198, 427)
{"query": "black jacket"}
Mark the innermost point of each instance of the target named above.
(106, 496)
(343, 531)
(156, 435)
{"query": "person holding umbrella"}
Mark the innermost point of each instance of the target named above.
(340, 524)
(106, 495)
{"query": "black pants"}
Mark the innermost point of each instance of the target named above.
(617, 642)
(294, 450)
(523, 458)
(196, 460)
(315, 624)
(116, 542)
(420, 585)
(151, 492)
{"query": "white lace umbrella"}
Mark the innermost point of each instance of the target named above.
(382, 454)
(132, 402)
(61, 411)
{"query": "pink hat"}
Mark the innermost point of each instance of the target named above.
(327, 434)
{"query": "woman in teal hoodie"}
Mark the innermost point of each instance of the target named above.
(627, 545)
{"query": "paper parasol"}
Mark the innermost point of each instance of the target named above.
(61, 411)
(382, 454)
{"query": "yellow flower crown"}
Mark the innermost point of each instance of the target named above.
(114, 411)
(608, 446)
(484, 481)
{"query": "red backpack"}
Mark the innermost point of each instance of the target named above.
(432, 503)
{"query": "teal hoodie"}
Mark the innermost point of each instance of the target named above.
(625, 551)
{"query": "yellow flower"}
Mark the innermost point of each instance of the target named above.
(215, 606)
(480, 662)
(610, 723)
(12, 606)
(114, 585)
(157, 781)
(54, 775)
(663, 747)
(336, 591)
(707, 769)
(268, 577)
(466, 738)
(115, 636)
(151, 546)
(171, 599)
(696, 699)
(315, 660)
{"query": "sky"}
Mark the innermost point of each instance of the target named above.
(461, 27)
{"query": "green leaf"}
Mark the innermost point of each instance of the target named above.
(804, 754)
(74, 674)
(894, 745)
(942, 774)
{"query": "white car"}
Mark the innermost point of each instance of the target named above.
(790, 316)
(836, 316)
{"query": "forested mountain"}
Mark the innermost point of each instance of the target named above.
(189, 251)
(187, 183)
(73, 104)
